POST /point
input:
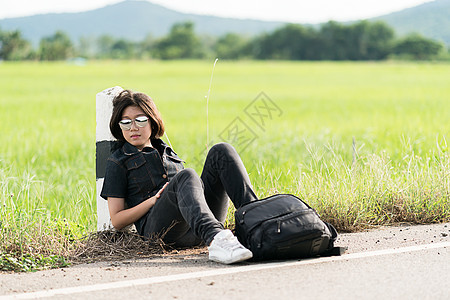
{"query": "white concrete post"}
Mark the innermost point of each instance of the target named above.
(104, 146)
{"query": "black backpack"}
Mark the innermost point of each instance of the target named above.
(283, 226)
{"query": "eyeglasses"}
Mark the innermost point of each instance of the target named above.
(139, 121)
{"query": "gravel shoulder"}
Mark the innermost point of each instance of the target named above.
(197, 260)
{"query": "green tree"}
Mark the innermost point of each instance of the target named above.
(417, 47)
(13, 46)
(104, 46)
(146, 47)
(86, 47)
(108, 47)
(292, 41)
(180, 43)
(380, 37)
(123, 49)
(231, 46)
(360, 41)
(368, 41)
(335, 38)
(56, 47)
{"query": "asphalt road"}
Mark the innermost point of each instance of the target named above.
(406, 262)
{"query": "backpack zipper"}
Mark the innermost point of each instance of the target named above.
(282, 218)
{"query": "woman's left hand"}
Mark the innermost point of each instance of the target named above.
(121, 216)
(158, 194)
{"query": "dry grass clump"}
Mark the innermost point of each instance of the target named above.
(117, 245)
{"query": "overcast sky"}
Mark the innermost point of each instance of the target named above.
(299, 11)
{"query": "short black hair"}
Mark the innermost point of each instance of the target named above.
(129, 98)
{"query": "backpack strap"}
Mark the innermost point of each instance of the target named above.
(332, 250)
(335, 251)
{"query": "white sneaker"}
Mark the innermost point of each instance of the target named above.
(225, 248)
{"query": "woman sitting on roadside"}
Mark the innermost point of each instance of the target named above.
(146, 184)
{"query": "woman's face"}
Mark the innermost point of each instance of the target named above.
(136, 136)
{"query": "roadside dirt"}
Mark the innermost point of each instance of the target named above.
(192, 260)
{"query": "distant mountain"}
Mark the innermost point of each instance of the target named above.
(131, 19)
(134, 20)
(431, 19)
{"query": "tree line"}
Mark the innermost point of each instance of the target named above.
(363, 40)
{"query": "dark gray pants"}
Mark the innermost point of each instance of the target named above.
(199, 205)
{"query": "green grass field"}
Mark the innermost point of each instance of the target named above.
(396, 112)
